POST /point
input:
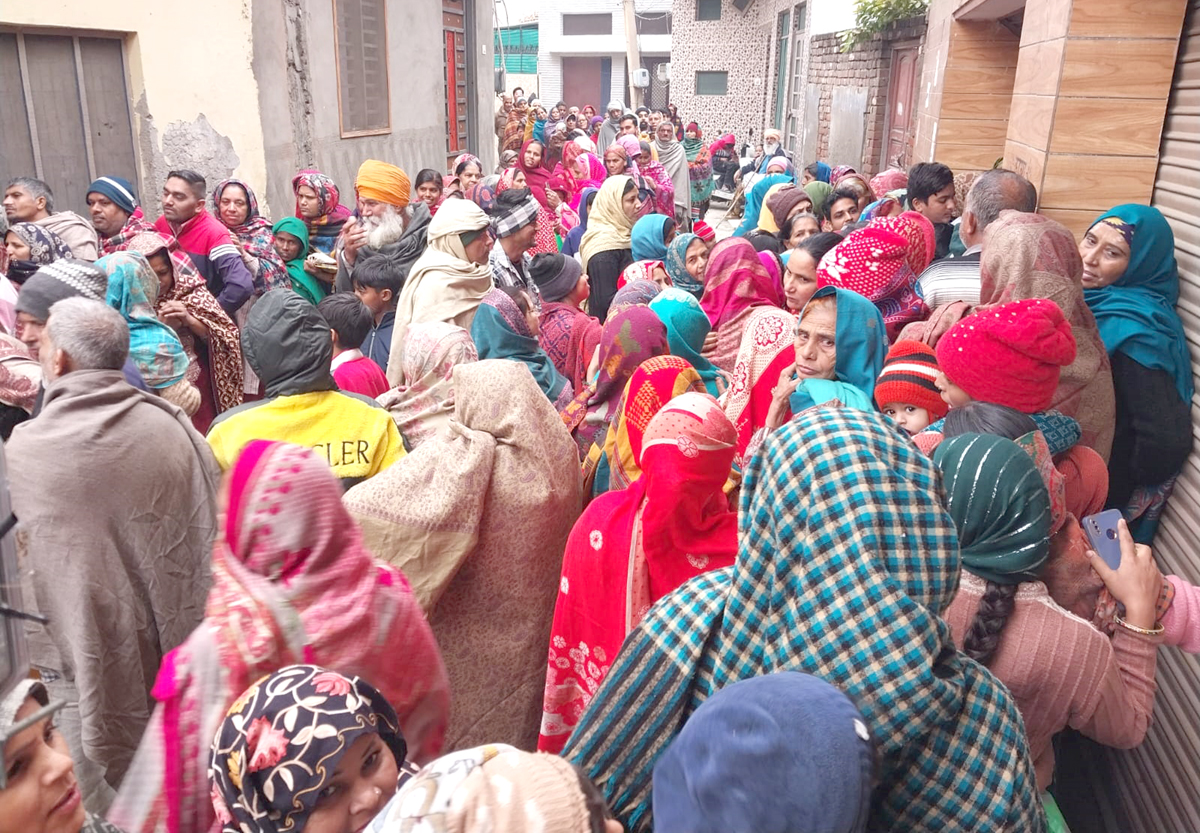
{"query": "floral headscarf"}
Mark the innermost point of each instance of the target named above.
(281, 741)
(332, 211)
(44, 245)
(258, 239)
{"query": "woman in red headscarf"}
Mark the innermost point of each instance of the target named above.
(632, 547)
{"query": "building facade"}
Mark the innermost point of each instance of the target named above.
(582, 49)
(517, 54)
(255, 89)
(742, 67)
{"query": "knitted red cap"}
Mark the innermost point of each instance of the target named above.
(1010, 355)
(704, 231)
(908, 377)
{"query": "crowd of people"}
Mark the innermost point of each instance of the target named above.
(513, 500)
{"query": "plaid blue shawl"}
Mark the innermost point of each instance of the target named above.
(846, 560)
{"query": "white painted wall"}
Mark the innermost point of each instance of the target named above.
(828, 16)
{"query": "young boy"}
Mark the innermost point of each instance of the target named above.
(349, 322)
(907, 390)
(377, 283)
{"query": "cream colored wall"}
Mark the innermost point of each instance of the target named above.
(187, 58)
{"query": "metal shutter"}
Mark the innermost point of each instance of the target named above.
(1159, 783)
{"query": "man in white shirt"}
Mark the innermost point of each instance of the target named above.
(957, 278)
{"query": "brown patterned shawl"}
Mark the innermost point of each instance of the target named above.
(477, 518)
(224, 344)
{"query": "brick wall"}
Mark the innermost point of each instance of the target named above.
(867, 66)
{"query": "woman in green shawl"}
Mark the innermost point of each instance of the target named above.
(700, 169)
(291, 243)
(1131, 285)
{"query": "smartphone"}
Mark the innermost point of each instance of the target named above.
(1102, 533)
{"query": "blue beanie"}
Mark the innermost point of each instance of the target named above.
(781, 753)
(120, 191)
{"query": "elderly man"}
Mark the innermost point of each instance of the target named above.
(55, 282)
(771, 148)
(514, 223)
(610, 128)
(957, 278)
(29, 200)
(113, 204)
(289, 345)
(449, 280)
(205, 239)
(388, 226)
(116, 496)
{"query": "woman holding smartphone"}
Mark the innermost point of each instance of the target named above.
(1061, 670)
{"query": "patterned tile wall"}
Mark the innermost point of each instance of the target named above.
(740, 43)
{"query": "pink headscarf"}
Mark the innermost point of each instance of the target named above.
(292, 583)
(890, 180)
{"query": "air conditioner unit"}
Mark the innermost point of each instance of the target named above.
(742, 5)
(641, 78)
(664, 72)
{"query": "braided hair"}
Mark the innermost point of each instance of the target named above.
(983, 636)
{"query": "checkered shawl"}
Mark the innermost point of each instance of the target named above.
(517, 217)
(846, 559)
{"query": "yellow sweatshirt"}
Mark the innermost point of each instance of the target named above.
(357, 439)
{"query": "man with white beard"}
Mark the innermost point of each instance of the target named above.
(771, 149)
(388, 225)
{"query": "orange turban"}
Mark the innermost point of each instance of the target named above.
(383, 182)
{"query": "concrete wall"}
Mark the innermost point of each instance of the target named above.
(301, 128)
(741, 44)
(865, 68)
(192, 90)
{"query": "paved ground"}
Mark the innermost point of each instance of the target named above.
(716, 218)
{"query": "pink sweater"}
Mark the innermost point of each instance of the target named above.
(1182, 619)
(1063, 672)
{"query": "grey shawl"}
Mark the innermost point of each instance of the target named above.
(673, 158)
(115, 494)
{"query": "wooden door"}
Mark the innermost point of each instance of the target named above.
(454, 26)
(902, 90)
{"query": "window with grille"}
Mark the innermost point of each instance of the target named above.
(587, 24)
(708, 9)
(360, 42)
(66, 113)
(712, 83)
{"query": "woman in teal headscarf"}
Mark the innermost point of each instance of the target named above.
(754, 201)
(1131, 285)
(650, 237)
(501, 331)
(685, 265)
(153, 346)
(291, 239)
(687, 324)
(840, 348)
